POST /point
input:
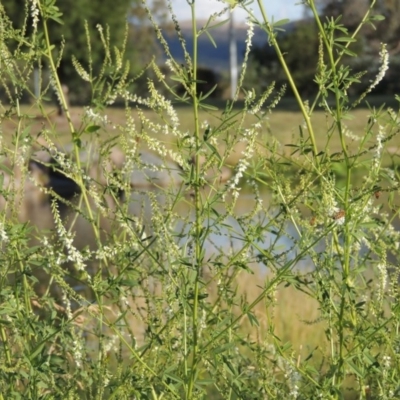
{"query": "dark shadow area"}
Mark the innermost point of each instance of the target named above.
(290, 103)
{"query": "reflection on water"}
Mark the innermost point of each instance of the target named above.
(148, 208)
(225, 236)
(228, 236)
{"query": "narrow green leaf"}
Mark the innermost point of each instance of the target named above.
(174, 378)
(208, 93)
(211, 39)
(37, 350)
(223, 22)
(177, 78)
(58, 20)
(205, 382)
(355, 369)
(345, 39)
(208, 107)
(224, 348)
(252, 318)
(214, 150)
(281, 22)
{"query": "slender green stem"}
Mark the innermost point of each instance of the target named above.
(198, 206)
(7, 351)
(288, 74)
(139, 359)
(60, 92)
(28, 306)
(346, 45)
(329, 48)
(185, 341)
(337, 115)
(79, 177)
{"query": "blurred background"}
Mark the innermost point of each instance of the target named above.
(217, 65)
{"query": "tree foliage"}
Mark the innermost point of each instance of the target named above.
(300, 45)
(352, 11)
(70, 36)
(300, 48)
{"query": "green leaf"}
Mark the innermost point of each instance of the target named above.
(77, 141)
(92, 128)
(214, 150)
(37, 350)
(204, 382)
(223, 22)
(173, 377)
(252, 318)
(355, 369)
(345, 39)
(376, 18)
(208, 93)
(5, 169)
(211, 39)
(224, 348)
(346, 51)
(58, 20)
(177, 78)
(281, 22)
(311, 354)
(208, 107)
(229, 367)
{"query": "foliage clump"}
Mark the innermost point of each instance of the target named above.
(171, 289)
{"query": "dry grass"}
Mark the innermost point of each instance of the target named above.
(282, 125)
(289, 314)
(292, 315)
(292, 309)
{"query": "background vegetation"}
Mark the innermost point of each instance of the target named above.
(68, 27)
(300, 46)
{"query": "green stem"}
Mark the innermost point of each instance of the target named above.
(71, 126)
(139, 359)
(288, 74)
(346, 46)
(79, 177)
(197, 197)
(7, 351)
(337, 114)
(28, 306)
(329, 48)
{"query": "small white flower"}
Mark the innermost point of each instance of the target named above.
(78, 353)
(383, 277)
(386, 362)
(110, 344)
(384, 59)
(35, 13)
(3, 234)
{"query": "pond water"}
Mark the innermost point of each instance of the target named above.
(225, 238)
(228, 235)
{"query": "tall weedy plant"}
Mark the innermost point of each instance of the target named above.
(171, 289)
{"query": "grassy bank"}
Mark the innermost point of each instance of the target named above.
(281, 125)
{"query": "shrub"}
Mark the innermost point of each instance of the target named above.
(171, 292)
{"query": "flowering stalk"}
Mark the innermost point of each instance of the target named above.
(71, 126)
(197, 199)
(347, 44)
